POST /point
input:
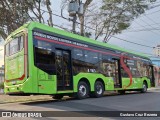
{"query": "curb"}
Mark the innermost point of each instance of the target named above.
(23, 101)
(153, 88)
(28, 100)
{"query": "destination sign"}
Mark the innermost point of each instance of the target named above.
(42, 35)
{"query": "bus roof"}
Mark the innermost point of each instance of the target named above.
(32, 25)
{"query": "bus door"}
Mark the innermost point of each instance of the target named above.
(63, 69)
(117, 74)
(152, 76)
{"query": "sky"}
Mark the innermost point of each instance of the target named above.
(142, 30)
(149, 36)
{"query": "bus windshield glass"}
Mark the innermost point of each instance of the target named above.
(14, 46)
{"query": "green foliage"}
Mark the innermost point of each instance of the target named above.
(14, 13)
(122, 26)
(88, 34)
(2, 85)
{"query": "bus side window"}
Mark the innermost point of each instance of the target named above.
(45, 57)
(139, 68)
(132, 65)
(91, 61)
(150, 72)
(123, 73)
(107, 66)
(78, 59)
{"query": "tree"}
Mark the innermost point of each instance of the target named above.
(15, 13)
(115, 16)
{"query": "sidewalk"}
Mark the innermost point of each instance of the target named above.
(154, 88)
(10, 99)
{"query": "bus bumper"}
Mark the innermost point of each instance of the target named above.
(13, 89)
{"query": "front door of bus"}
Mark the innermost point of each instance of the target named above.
(63, 69)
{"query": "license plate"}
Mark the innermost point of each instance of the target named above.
(14, 82)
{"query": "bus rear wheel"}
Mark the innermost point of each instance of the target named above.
(58, 96)
(98, 89)
(83, 90)
(144, 89)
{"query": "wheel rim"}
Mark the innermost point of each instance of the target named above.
(82, 90)
(99, 89)
(144, 88)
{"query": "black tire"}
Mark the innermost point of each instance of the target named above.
(121, 92)
(98, 89)
(83, 90)
(144, 89)
(58, 97)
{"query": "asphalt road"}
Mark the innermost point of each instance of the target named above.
(149, 101)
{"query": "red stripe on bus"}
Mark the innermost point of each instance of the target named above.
(46, 39)
(127, 70)
(21, 78)
(6, 80)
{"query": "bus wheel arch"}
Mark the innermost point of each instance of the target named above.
(83, 88)
(99, 88)
(145, 83)
(144, 87)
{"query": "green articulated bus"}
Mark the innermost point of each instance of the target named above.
(43, 60)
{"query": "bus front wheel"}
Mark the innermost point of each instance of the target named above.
(83, 90)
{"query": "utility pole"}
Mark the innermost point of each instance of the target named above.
(75, 7)
(74, 24)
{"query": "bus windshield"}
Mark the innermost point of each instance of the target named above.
(14, 58)
(14, 46)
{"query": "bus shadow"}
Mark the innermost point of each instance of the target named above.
(75, 99)
(127, 93)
